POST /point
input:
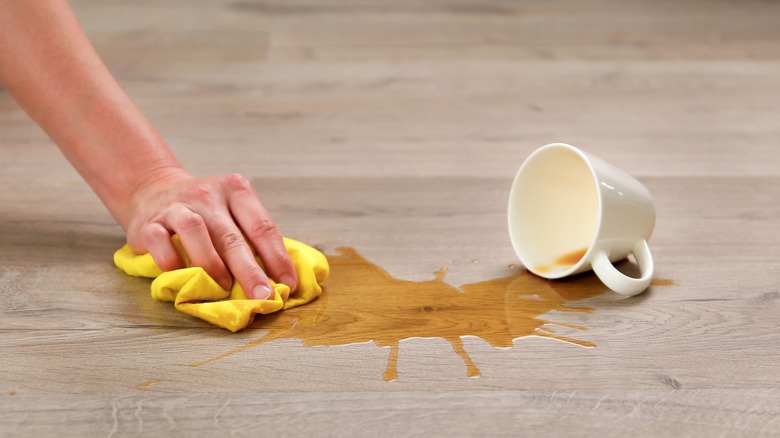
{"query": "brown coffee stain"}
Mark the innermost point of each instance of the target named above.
(12, 393)
(147, 384)
(568, 259)
(662, 282)
(363, 303)
(571, 258)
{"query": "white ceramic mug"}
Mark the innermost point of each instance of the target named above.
(570, 212)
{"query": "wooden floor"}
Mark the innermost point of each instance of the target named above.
(395, 128)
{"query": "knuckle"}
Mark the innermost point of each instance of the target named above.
(232, 240)
(201, 193)
(262, 228)
(189, 222)
(276, 256)
(153, 235)
(237, 181)
(250, 274)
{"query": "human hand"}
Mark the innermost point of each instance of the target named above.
(60, 80)
(211, 216)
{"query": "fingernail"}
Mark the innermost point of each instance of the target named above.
(226, 283)
(288, 280)
(262, 293)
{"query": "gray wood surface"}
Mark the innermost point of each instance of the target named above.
(395, 128)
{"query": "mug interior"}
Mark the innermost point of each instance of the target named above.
(554, 211)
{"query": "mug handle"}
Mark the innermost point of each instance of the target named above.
(620, 282)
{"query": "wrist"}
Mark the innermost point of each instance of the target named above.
(155, 178)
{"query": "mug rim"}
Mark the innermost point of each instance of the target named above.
(512, 195)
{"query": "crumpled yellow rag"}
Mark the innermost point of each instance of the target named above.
(195, 293)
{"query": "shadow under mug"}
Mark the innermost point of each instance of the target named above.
(570, 212)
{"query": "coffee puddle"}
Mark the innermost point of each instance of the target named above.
(363, 303)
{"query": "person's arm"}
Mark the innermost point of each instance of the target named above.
(49, 66)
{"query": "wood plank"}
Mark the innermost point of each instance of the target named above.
(723, 321)
(504, 413)
(395, 129)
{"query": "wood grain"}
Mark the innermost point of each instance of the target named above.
(503, 413)
(396, 128)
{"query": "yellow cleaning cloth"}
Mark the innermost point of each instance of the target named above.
(195, 293)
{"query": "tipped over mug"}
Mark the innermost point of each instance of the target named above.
(570, 212)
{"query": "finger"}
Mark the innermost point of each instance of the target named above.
(262, 232)
(194, 237)
(235, 251)
(157, 241)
